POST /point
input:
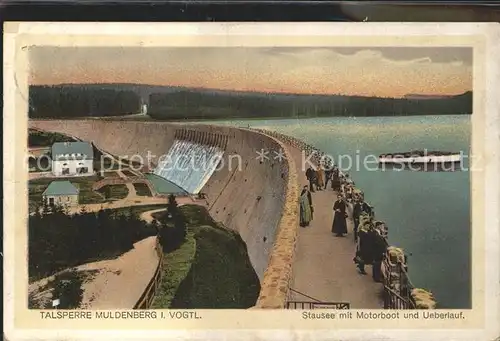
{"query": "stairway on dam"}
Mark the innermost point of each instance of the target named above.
(323, 266)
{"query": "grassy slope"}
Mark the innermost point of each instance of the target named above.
(115, 191)
(176, 267)
(128, 173)
(142, 190)
(210, 270)
(45, 139)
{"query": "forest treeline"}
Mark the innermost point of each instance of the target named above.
(167, 103)
(204, 105)
(62, 101)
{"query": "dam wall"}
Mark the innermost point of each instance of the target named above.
(246, 193)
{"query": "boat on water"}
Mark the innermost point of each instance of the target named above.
(420, 157)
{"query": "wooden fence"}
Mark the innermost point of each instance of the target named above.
(147, 298)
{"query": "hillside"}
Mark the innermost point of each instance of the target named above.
(205, 105)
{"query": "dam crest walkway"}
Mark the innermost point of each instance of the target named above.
(323, 266)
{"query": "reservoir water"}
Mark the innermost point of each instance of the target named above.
(428, 213)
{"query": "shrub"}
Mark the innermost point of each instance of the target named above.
(172, 226)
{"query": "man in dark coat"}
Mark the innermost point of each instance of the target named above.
(311, 176)
(379, 249)
(339, 226)
(370, 251)
(336, 180)
(360, 206)
(364, 250)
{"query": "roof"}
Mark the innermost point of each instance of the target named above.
(61, 188)
(72, 151)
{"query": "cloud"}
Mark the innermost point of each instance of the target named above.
(354, 70)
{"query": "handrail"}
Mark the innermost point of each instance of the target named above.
(407, 303)
(317, 305)
(147, 297)
(300, 293)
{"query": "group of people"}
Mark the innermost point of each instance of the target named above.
(370, 244)
(319, 178)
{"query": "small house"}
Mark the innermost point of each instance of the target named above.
(62, 193)
(72, 159)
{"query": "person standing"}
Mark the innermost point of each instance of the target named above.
(328, 176)
(336, 180)
(305, 207)
(363, 250)
(360, 206)
(339, 226)
(310, 175)
(379, 249)
(320, 176)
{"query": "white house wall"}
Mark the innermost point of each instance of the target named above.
(73, 165)
(63, 200)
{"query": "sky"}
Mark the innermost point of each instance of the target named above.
(364, 71)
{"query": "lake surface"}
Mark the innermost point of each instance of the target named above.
(428, 213)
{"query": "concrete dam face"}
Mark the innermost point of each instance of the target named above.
(243, 192)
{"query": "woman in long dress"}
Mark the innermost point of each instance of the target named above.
(305, 207)
(339, 226)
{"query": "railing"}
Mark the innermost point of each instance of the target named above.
(202, 137)
(397, 285)
(392, 300)
(316, 305)
(148, 296)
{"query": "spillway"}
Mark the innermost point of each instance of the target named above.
(189, 165)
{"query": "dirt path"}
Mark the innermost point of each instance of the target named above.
(133, 201)
(323, 267)
(121, 281)
(116, 283)
(148, 216)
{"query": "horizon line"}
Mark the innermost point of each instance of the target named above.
(437, 96)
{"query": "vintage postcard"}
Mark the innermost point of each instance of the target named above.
(306, 181)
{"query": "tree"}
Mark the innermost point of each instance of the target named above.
(68, 289)
(173, 227)
(172, 207)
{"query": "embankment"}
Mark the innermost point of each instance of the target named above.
(245, 193)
